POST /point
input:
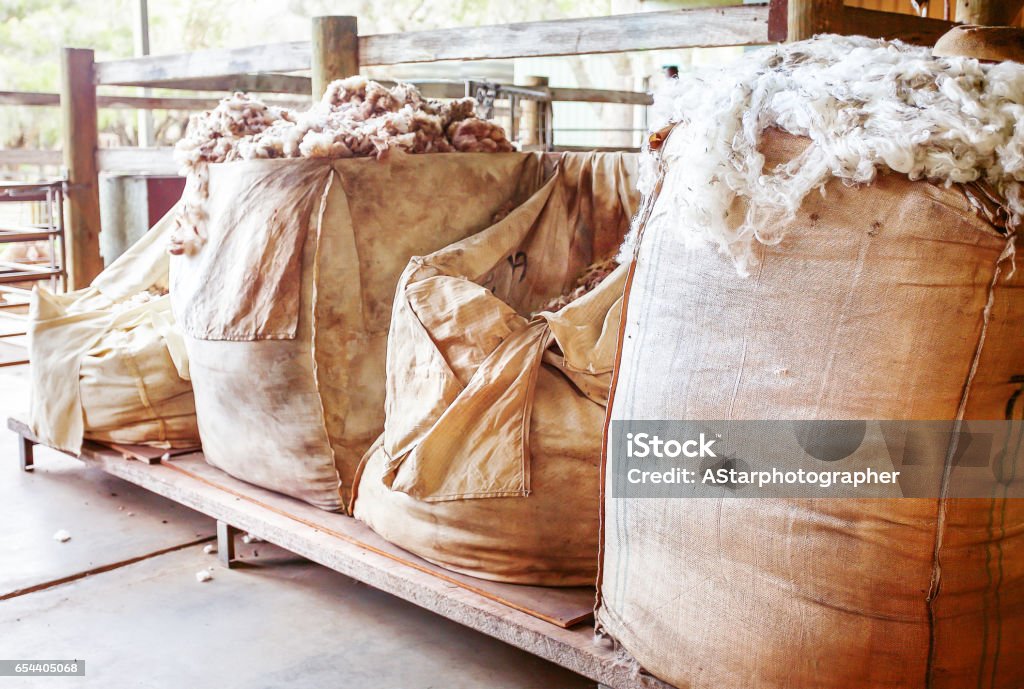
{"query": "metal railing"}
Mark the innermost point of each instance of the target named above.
(48, 228)
(44, 234)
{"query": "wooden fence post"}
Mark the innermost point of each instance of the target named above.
(335, 51)
(987, 12)
(531, 123)
(809, 17)
(80, 137)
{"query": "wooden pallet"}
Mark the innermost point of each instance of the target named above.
(555, 624)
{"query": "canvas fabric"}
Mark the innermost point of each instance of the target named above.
(287, 303)
(488, 461)
(890, 301)
(105, 371)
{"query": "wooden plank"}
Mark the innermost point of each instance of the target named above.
(250, 83)
(574, 648)
(690, 28)
(157, 161)
(127, 160)
(429, 89)
(893, 25)
(152, 70)
(28, 98)
(564, 607)
(27, 275)
(778, 20)
(561, 606)
(12, 235)
(600, 96)
(156, 103)
(147, 454)
(28, 156)
(80, 135)
(585, 149)
(335, 51)
(12, 187)
(38, 98)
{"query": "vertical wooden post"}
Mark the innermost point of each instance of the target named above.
(531, 122)
(26, 453)
(513, 118)
(80, 137)
(335, 51)
(806, 18)
(987, 12)
(226, 544)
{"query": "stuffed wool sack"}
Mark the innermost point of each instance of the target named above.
(488, 464)
(891, 295)
(285, 306)
(108, 362)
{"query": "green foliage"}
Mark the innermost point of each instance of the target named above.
(33, 31)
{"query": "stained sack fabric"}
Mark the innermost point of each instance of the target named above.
(286, 304)
(108, 362)
(488, 461)
(889, 301)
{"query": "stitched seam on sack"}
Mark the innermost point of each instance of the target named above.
(643, 216)
(940, 523)
(524, 429)
(313, 332)
(993, 584)
(998, 588)
(997, 584)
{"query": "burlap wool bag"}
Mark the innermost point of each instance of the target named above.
(108, 362)
(488, 461)
(894, 300)
(286, 304)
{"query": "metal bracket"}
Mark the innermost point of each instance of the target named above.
(485, 93)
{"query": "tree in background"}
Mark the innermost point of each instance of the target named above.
(32, 32)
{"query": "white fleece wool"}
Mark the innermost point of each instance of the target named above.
(868, 106)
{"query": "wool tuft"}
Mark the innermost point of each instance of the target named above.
(867, 106)
(355, 118)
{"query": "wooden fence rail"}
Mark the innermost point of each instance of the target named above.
(37, 98)
(694, 28)
(429, 88)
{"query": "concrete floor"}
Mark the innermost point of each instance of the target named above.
(276, 621)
